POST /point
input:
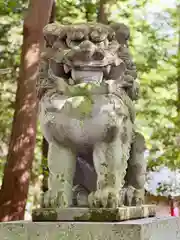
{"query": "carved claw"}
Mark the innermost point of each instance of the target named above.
(106, 198)
(80, 196)
(122, 195)
(138, 198)
(131, 196)
(54, 199)
(128, 195)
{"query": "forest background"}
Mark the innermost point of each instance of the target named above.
(155, 46)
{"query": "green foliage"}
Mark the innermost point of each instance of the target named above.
(10, 41)
(73, 11)
(158, 105)
(154, 46)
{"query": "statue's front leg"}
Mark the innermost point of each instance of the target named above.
(61, 163)
(110, 161)
(136, 173)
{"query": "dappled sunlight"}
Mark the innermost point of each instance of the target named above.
(16, 178)
(154, 45)
(32, 56)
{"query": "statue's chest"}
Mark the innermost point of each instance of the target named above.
(85, 107)
(82, 119)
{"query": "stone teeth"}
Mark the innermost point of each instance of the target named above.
(108, 69)
(71, 81)
(66, 68)
(117, 62)
(87, 76)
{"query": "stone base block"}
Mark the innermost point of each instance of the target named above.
(94, 215)
(143, 229)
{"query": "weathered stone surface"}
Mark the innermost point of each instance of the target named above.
(94, 215)
(87, 88)
(167, 228)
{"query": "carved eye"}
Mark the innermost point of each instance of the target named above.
(73, 43)
(98, 35)
(50, 39)
(96, 41)
(58, 45)
(76, 42)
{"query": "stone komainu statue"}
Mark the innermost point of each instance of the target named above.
(86, 91)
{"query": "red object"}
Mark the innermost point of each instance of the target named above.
(174, 211)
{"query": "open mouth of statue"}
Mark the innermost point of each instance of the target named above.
(87, 72)
(83, 75)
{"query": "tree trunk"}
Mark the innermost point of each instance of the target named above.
(178, 62)
(45, 146)
(102, 16)
(53, 13)
(14, 190)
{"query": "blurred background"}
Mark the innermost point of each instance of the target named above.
(155, 46)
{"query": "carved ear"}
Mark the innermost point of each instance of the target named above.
(52, 32)
(122, 32)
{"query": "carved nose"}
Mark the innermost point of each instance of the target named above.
(90, 48)
(87, 46)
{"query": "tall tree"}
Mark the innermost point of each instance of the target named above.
(102, 13)
(178, 61)
(45, 145)
(14, 190)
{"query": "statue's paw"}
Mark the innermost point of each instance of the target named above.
(54, 199)
(48, 199)
(80, 197)
(122, 195)
(106, 198)
(128, 196)
(138, 201)
(132, 196)
(138, 198)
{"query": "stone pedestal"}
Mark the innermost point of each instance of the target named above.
(167, 228)
(94, 214)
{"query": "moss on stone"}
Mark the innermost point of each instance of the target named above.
(82, 106)
(48, 215)
(93, 214)
(82, 89)
(99, 215)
